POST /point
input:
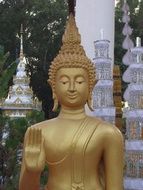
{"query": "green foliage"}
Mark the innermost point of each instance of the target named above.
(34, 117)
(16, 128)
(3, 120)
(45, 23)
(13, 131)
(3, 58)
(5, 79)
(44, 177)
(6, 73)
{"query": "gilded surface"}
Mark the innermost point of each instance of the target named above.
(82, 152)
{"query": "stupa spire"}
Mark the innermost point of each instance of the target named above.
(21, 42)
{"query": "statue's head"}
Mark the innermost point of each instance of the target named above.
(72, 55)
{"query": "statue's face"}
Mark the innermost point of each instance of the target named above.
(72, 87)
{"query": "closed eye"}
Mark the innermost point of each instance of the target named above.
(79, 82)
(64, 82)
(80, 79)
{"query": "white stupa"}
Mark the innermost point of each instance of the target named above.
(103, 102)
(20, 99)
(134, 120)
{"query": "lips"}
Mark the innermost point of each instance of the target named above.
(72, 96)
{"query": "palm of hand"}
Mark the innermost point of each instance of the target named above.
(34, 151)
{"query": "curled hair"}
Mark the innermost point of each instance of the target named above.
(72, 62)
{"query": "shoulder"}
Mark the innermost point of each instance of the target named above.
(46, 127)
(44, 124)
(107, 131)
(111, 135)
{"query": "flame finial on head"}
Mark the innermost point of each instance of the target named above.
(72, 4)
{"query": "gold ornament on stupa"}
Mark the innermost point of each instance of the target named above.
(117, 95)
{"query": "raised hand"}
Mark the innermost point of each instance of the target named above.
(34, 153)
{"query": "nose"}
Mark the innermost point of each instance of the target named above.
(71, 87)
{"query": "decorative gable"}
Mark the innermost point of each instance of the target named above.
(18, 101)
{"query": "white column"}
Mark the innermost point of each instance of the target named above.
(95, 20)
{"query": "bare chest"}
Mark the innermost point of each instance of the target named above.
(75, 139)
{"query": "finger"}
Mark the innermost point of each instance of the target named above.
(34, 138)
(39, 138)
(42, 141)
(29, 136)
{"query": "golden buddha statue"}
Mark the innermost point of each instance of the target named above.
(82, 152)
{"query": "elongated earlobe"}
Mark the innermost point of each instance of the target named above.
(55, 107)
(89, 102)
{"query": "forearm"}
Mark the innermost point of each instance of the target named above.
(114, 161)
(29, 180)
